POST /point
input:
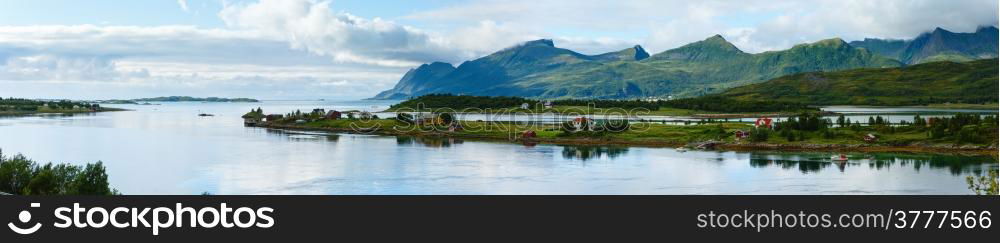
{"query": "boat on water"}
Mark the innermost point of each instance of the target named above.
(839, 158)
(681, 149)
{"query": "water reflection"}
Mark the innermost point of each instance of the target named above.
(304, 135)
(585, 153)
(814, 162)
(957, 165)
(805, 166)
(168, 149)
(431, 142)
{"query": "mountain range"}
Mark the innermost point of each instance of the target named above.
(938, 45)
(539, 69)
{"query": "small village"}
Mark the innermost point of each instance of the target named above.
(806, 130)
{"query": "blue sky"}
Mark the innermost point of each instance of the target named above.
(280, 49)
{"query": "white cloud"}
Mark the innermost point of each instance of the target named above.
(184, 5)
(62, 68)
(314, 27)
(280, 48)
(171, 57)
(755, 25)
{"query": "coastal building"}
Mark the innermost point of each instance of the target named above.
(455, 127)
(548, 104)
(252, 118)
(250, 121)
(273, 117)
(870, 138)
(525, 106)
(583, 124)
(762, 122)
(528, 134)
(319, 111)
(740, 135)
(332, 115)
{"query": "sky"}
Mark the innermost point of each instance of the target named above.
(353, 49)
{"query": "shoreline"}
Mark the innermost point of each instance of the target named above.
(28, 113)
(717, 146)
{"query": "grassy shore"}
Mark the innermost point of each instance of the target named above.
(57, 111)
(993, 106)
(661, 135)
(583, 110)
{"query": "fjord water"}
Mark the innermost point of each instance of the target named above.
(168, 149)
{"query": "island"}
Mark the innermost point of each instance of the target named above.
(194, 99)
(20, 106)
(806, 131)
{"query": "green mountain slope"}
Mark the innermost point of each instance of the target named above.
(539, 69)
(699, 68)
(493, 74)
(938, 45)
(928, 83)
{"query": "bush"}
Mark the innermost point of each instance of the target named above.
(447, 118)
(616, 125)
(20, 175)
(760, 134)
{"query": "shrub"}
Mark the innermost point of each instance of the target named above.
(760, 134)
(20, 175)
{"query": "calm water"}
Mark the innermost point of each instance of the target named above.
(168, 149)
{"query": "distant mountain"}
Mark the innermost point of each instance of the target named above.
(928, 83)
(494, 73)
(410, 81)
(938, 45)
(539, 69)
(196, 99)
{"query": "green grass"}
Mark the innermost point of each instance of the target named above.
(929, 83)
(583, 110)
(988, 106)
(650, 133)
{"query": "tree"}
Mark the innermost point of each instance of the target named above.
(918, 121)
(622, 125)
(760, 134)
(447, 118)
(44, 182)
(15, 173)
(984, 185)
(20, 175)
(93, 180)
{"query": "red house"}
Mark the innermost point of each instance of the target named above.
(742, 134)
(332, 115)
(762, 122)
(528, 134)
(870, 138)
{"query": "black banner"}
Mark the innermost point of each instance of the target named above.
(477, 218)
